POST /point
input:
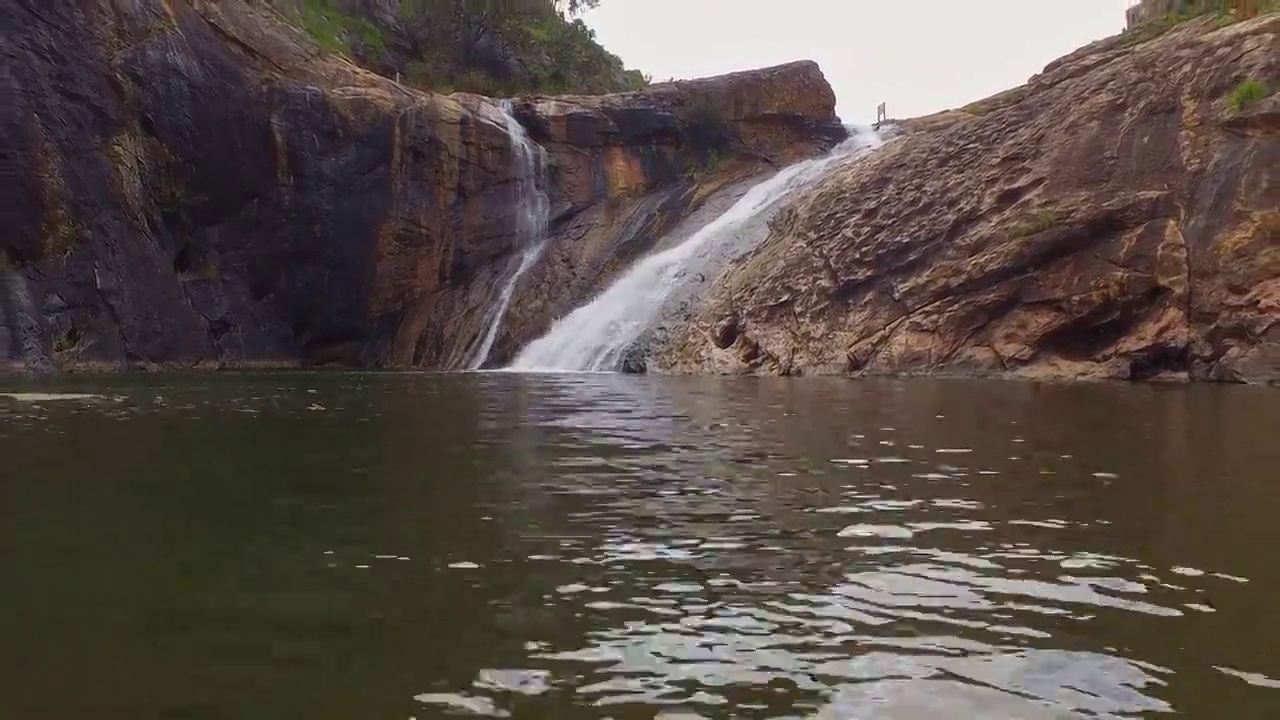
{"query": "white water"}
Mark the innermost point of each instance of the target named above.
(533, 212)
(595, 337)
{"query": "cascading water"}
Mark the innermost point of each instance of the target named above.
(596, 336)
(533, 212)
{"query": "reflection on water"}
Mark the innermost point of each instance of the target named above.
(603, 546)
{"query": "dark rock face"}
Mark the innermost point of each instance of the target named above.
(1115, 218)
(634, 362)
(196, 184)
(20, 336)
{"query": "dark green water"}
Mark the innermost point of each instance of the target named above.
(427, 546)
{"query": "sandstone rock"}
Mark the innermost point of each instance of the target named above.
(199, 185)
(725, 332)
(1114, 218)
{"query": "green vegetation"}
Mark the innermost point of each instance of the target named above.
(66, 341)
(1154, 29)
(209, 271)
(709, 165)
(334, 30)
(552, 169)
(1222, 13)
(1043, 219)
(505, 48)
(63, 233)
(6, 262)
(1246, 93)
(1036, 222)
(996, 102)
(491, 47)
(709, 134)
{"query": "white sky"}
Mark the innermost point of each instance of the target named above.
(918, 56)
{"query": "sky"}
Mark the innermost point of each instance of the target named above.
(917, 56)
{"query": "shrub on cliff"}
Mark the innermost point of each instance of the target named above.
(1222, 12)
(492, 47)
(1245, 94)
(335, 30)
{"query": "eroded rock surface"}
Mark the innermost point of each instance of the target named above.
(197, 184)
(1114, 218)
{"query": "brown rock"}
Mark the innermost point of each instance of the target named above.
(1114, 218)
(726, 332)
(200, 185)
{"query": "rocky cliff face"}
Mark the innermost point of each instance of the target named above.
(1116, 217)
(197, 184)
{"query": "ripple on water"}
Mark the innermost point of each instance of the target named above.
(1256, 679)
(681, 564)
(660, 639)
(774, 608)
(32, 397)
(469, 704)
(882, 531)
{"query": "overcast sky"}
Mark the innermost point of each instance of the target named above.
(918, 56)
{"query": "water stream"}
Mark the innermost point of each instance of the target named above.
(533, 211)
(596, 336)
(597, 546)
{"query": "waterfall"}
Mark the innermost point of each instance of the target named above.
(533, 212)
(597, 335)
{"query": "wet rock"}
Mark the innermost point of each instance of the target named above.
(201, 185)
(634, 361)
(1114, 218)
(54, 304)
(22, 345)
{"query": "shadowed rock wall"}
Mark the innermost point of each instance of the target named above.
(197, 184)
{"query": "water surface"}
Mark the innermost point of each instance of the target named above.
(428, 546)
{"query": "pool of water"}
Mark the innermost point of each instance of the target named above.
(293, 545)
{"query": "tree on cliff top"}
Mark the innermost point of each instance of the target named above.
(506, 47)
(492, 47)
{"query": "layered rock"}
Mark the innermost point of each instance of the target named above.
(626, 169)
(1117, 217)
(197, 184)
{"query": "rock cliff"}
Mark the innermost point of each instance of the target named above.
(1117, 217)
(196, 183)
